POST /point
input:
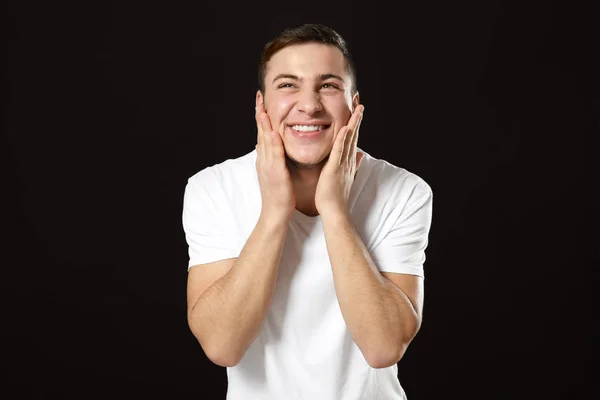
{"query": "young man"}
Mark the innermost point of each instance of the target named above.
(306, 254)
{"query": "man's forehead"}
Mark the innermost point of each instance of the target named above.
(307, 63)
(308, 54)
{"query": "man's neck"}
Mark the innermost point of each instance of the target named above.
(305, 185)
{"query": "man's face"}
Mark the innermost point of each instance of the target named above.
(308, 99)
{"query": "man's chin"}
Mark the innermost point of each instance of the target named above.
(307, 165)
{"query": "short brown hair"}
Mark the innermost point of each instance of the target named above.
(307, 33)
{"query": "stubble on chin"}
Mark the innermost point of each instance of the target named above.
(296, 165)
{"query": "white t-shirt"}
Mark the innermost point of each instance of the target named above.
(305, 350)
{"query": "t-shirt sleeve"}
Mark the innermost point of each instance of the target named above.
(207, 228)
(402, 249)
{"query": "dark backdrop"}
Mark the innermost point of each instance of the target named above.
(111, 107)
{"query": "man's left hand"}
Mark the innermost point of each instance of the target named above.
(337, 176)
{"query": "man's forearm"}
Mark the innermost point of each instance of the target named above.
(229, 314)
(378, 314)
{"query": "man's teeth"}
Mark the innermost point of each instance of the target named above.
(308, 128)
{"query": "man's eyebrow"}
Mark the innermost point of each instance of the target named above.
(322, 77)
(286, 76)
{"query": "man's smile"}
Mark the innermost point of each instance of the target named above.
(306, 131)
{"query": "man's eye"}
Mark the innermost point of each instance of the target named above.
(285, 85)
(329, 86)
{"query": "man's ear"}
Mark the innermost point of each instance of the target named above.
(260, 100)
(355, 101)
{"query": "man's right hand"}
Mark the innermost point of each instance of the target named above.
(276, 188)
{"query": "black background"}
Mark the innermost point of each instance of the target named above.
(110, 107)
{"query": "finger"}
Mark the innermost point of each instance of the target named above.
(259, 111)
(265, 122)
(277, 149)
(266, 138)
(354, 122)
(264, 128)
(354, 141)
(356, 115)
(260, 134)
(353, 126)
(337, 152)
(258, 125)
(260, 108)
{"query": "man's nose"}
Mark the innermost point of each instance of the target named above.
(310, 102)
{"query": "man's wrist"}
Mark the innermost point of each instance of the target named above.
(335, 216)
(273, 220)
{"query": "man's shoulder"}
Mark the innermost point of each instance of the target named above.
(387, 175)
(224, 187)
(232, 169)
